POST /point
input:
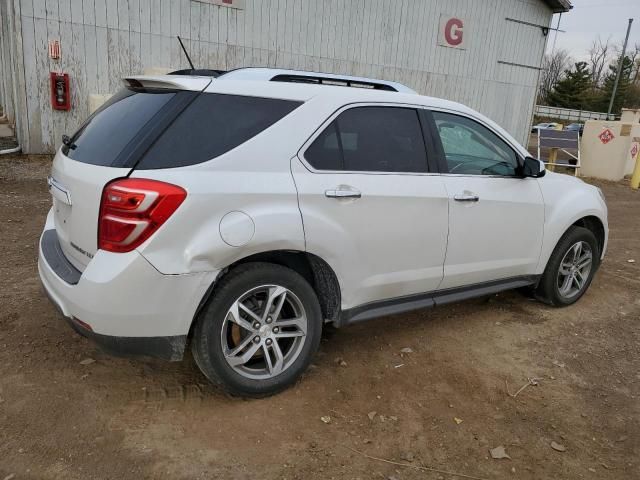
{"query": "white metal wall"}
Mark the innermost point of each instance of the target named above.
(8, 59)
(104, 40)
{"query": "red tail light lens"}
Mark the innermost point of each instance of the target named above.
(132, 209)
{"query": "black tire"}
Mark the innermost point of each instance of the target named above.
(548, 290)
(207, 348)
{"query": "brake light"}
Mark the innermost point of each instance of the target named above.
(132, 209)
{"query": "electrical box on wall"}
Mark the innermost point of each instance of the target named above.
(60, 94)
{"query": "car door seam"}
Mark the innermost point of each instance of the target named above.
(295, 185)
(446, 246)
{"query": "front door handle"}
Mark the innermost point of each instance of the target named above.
(466, 197)
(342, 193)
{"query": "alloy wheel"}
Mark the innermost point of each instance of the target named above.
(263, 332)
(574, 270)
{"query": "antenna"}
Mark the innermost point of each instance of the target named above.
(185, 53)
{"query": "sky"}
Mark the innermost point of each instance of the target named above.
(590, 18)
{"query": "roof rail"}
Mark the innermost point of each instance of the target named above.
(317, 78)
(342, 82)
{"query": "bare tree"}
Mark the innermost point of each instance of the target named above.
(634, 55)
(599, 59)
(553, 69)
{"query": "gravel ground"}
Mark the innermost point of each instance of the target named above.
(443, 406)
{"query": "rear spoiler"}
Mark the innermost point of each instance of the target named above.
(173, 82)
(199, 72)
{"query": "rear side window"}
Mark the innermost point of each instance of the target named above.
(325, 153)
(212, 125)
(104, 136)
(371, 139)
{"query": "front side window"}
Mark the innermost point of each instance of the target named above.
(371, 139)
(473, 149)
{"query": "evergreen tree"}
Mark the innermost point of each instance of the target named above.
(572, 91)
(633, 96)
(623, 87)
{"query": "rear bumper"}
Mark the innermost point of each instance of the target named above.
(166, 348)
(124, 304)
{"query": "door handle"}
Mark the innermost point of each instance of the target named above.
(58, 190)
(466, 197)
(342, 193)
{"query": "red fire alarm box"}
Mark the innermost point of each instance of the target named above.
(60, 96)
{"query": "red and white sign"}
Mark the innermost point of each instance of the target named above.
(606, 136)
(453, 32)
(54, 49)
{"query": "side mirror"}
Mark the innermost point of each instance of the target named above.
(533, 168)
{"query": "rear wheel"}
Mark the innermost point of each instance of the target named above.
(259, 330)
(570, 268)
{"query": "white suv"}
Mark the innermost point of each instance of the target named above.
(240, 214)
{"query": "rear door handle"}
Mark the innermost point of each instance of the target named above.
(466, 197)
(342, 193)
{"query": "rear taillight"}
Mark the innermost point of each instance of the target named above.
(132, 209)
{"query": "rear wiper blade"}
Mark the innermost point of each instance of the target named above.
(66, 141)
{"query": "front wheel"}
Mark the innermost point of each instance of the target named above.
(570, 268)
(259, 330)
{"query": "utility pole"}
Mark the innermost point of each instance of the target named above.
(620, 64)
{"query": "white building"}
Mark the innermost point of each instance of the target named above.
(484, 53)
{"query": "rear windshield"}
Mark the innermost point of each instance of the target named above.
(104, 136)
(152, 129)
(212, 125)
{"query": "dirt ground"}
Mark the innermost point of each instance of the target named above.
(443, 406)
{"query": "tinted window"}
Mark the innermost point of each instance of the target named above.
(473, 149)
(108, 131)
(371, 139)
(324, 153)
(212, 125)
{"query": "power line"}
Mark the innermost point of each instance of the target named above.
(555, 38)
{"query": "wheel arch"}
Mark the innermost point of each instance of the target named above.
(590, 220)
(548, 290)
(312, 268)
(570, 202)
(596, 226)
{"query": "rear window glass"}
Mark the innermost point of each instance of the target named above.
(212, 125)
(104, 136)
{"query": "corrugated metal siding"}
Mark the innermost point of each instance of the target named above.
(104, 40)
(7, 52)
(5, 65)
(13, 80)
